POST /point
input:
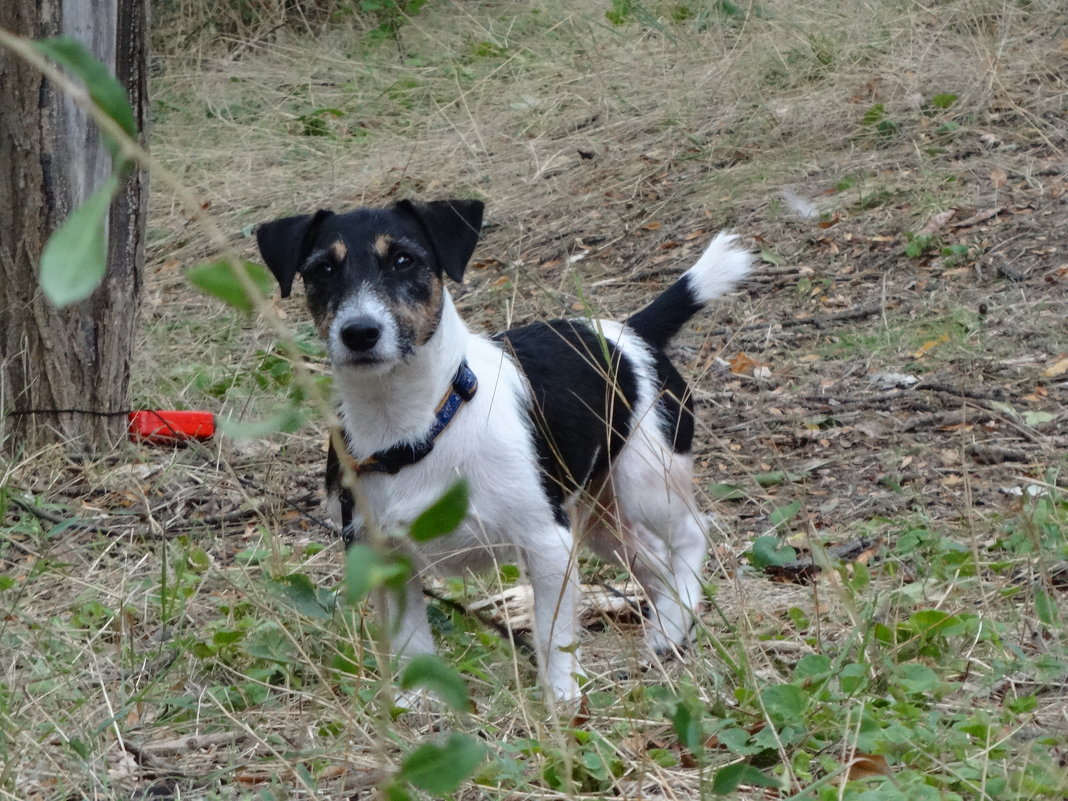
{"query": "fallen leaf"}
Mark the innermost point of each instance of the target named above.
(937, 222)
(865, 766)
(1038, 418)
(1056, 369)
(332, 772)
(929, 345)
(741, 364)
(998, 177)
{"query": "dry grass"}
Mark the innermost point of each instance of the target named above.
(154, 612)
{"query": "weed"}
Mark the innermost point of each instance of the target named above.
(389, 16)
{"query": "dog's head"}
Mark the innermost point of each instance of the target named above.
(374, 277)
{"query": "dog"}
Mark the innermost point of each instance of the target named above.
(566, 432)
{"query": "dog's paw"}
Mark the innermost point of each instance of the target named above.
(566, 687)
(417, 701)
(663, 646)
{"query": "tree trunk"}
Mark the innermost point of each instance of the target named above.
(52, 159)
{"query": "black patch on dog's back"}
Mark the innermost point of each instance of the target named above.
(582, 398)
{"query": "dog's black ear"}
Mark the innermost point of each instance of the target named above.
(284, 244)
(453, 228)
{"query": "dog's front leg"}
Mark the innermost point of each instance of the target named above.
(410, 635)
(409, 629)
(552, 570)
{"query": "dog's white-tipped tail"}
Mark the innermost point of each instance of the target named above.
(721, 267)
(723, 264)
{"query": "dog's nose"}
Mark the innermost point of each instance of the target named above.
(360, 334)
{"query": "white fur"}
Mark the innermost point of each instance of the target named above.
(366, 303)
(720, 267)
(644, 516)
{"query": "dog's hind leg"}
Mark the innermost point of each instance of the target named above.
(673, 584)
(552, 571)
(670, 544)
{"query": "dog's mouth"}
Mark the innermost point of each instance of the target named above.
(359, 361)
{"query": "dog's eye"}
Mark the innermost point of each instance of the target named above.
(320, 269)
(402, 260)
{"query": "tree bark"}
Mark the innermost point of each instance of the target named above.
(51, 159)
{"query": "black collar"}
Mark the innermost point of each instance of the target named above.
(392, 460)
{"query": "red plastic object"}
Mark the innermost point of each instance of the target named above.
(157, 427)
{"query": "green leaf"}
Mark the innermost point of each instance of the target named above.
(935, 622)
(737, 741)
(79, 747)
(686, 720)
(430, 672)
(271, 644)
(917, 679)
(943, 100)
(104, 90)
(812, 666)
(772, 258)
(729, 778)
(784, 703)
(304, 597)
(1046, 608)
(874, 114)
(287, 419)
(725, 492)
(767, 551)
(227, 636)
(854, 677)
(75, 257)
(439, 769)
(776, 477)
(1033, 418)
(366, 570)
(217, 278)
(784, 514)
(443, 516)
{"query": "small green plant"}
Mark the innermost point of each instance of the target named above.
(389, 16)
(918, 246)
(623, 11)
(876, 118)
(316, 123)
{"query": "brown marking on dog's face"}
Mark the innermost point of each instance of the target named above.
(323, 318)
(381, 245)
(339, 251)
(418, 317)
